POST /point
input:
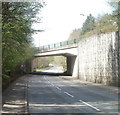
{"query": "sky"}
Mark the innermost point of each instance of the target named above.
(61, 17)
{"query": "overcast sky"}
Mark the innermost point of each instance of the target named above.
(60, 17)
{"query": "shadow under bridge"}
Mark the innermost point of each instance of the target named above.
(71, 58)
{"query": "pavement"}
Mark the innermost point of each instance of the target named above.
(14, 97)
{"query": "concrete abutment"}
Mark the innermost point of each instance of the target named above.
(99, 59)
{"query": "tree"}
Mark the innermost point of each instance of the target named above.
(75, 34)
(89, 24)
(102, 24)
(116, 12)
(41, 62)
(105, 23)
(60, 61)
(17, 18)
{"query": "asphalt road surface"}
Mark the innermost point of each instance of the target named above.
(53, 94)
(35, 94)
(54, 69)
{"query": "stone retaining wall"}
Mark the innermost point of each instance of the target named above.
(99, 58)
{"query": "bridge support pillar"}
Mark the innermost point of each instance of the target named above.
(72, 66)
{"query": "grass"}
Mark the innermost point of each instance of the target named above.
(40, 69)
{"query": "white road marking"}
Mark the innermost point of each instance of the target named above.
(58, 88)
(68, 94)
(12, 106)
(48, 81)
(52, 84)
(55, 105)
(89, 105)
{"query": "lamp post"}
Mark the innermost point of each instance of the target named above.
(83, 15)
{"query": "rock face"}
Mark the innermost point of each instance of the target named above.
(99, 58)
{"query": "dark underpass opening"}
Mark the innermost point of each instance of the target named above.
(50, 65)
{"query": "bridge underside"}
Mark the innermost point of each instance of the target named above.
(70, 54)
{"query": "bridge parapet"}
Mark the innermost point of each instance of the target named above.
(57, 46)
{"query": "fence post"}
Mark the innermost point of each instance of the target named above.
(60, 43)
(75, 41)
(54, 45)
(48, 46)
(67, 42)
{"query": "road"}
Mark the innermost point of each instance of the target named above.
(53, 94)
(54, 69)
(58, 94)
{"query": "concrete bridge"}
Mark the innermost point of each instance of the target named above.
(94, 59)
(65, 48)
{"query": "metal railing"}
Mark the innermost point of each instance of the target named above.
(60, 45)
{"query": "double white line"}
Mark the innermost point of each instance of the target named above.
(73, 96)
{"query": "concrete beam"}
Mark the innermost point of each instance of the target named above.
(63, 52)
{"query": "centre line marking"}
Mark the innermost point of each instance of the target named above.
(68, 94)
(90, 105)
(58, 88)
(48, 81)
(52, 84)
